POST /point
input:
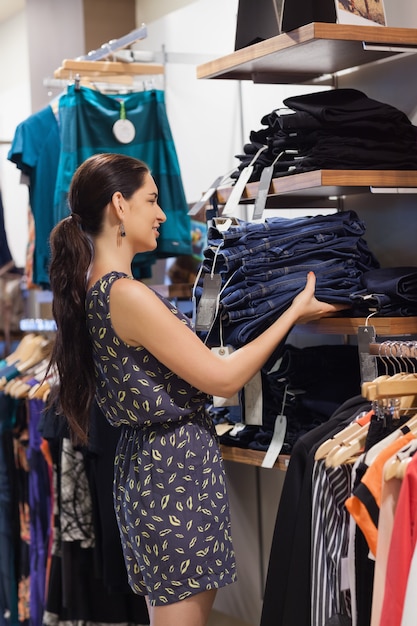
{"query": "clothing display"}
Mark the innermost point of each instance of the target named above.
(176, 439)
(87, 119)
(49, 146)
(342, 548)
(57, 517)
(35, 151)
(89, 595)
(334, 129)
(264, 265)
(288, 584)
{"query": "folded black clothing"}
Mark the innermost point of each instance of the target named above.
(338, 105)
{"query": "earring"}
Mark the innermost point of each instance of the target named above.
(122, 230)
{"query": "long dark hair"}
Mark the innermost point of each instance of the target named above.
(91, 190)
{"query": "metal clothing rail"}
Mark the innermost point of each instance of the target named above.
(392, 348)
(115, 44)
(96, 63)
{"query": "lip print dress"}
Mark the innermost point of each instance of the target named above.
(169, 484)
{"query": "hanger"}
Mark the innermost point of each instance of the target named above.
(41, 352)
(113, 71)
(394, 386)
(342, 437)
(400, 384)
(23, 349)
(95, 64)
(355, 446)
(348, 450)
(397, 465)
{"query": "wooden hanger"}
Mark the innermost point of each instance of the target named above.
(349, 449)
(397, 465)
(113, 70)
(344, 435)
(22, 350)
(397, 385)
(354, 447)
(41, 352)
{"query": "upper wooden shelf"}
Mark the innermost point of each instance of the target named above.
(325, 183)
(308, 53)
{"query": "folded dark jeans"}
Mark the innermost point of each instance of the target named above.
(251, 292)
(281, 226)
(264, 266)
(392, 281)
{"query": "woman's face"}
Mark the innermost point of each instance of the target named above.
(144, 217)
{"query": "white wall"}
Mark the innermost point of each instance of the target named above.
(14, 107)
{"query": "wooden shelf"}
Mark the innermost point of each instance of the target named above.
(251, 457)
(384, 326)
(329, 183)
(310, 52)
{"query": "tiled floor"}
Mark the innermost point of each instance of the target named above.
(220, 619)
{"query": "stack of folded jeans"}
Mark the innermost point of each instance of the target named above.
(264, 265)
(390, 291)
(335, 129)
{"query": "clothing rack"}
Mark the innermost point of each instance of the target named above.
(393, 348)
(95, 64)
(116, 44)
(72, 67)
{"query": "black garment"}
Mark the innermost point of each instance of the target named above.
(335, 129)
(338, 106)
(313, 382)
(99, 459)
(79, 590)
(288, 584)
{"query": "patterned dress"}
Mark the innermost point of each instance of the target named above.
(169, 484)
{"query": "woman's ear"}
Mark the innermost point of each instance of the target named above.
(117, 200)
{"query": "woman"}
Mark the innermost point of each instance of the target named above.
(122, 345)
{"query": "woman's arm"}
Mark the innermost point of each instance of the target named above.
(140, 318)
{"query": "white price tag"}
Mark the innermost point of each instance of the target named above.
(253, 401)
(277, 441)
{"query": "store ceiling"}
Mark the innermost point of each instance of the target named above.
(10, 7)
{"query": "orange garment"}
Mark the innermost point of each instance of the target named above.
(373, 481)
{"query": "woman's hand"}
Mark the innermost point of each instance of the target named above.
(309, 308)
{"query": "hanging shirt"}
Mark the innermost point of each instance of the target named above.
(87, 118)
(35, 151)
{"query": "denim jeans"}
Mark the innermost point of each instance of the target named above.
(264, 266)
(284, 238)
(391, 291)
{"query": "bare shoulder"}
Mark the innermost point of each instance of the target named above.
(136, 311)
(128, 289)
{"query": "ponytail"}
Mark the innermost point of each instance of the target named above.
(92, 188)
(72, 355)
